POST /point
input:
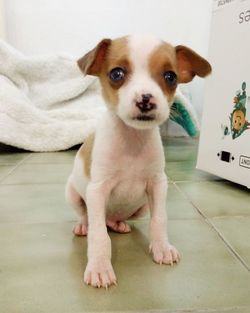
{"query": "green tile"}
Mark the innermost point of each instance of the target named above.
(12, 158)
(40, 203)
(41, 260)
(34, 204)
(178, 207)
(186, 171)
(236, 310)
(180, 149)
(184, 142)
(52, 157)
(39, 173)
(236, 230)
(5, 170)
(178, 154)
(218, 198)
(42, 269)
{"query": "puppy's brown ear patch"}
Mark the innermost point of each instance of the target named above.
(91, 63)
(189, 64)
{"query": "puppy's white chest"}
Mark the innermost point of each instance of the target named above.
(126, 160)
(127, 196)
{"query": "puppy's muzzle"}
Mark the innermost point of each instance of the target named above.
(145, 105)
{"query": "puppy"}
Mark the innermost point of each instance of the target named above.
(118, 172)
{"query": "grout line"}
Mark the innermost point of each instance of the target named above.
(49, 163)
(197, 181)
(190, 310)
(230, 216)
(32, 183)
(30, 223)
(15, 167)
(227, 243)
(209, 222)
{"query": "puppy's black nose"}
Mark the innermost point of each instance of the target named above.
(145, 105)
(146, 98)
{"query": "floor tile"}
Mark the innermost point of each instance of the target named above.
(186, 171)
(218, 198)
(178, 207)
(12, 158)
(236, 230)
(40, 203)
(180, 149)
(40, 262)
(34, 204)
(39, 173)
(52, 157)
(184, 142)
(5, 170)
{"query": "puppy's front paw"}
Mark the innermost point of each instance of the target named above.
(164, 252)
(99, 274)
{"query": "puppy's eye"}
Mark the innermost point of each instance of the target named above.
(170, 78)
(117, 74)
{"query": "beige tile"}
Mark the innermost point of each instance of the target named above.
(218, 198)
(40, 203)
(180, 149)
(5, 170)
(52, 157)
(42, 265)
(185, 142)
(178, 207)
(42, 268)
(236, 230)
(12, 157)
(39, 173)
(186, 171)
(34, 204)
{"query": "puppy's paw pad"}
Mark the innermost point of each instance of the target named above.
(101, 275)
(164, 253)
(80, 230)
(123, 227)
(119, 227)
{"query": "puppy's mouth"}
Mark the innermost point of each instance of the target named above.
(145, 118)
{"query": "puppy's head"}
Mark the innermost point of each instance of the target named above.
(139, 76)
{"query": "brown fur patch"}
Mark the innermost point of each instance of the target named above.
(161, 60)
(117, 56)
(91, 63)
(85, 153)
(190, 63)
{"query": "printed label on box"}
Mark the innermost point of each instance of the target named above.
(245, 161)
(219, 4)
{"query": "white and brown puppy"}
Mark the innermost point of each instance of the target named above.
(119, 171)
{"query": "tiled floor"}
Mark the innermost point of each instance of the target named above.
(42, 264)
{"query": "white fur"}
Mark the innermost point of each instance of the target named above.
(127, 176)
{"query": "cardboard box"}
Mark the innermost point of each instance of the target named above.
(224, 148)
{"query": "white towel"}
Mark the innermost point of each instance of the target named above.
(46, 104)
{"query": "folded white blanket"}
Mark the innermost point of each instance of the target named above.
(46, 104)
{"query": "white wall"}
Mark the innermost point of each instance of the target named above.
(2, 20)
(48, 26)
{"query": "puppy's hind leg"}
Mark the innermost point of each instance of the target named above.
(77, 202)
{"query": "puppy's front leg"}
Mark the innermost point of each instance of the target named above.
(99, 271)
(162, 250)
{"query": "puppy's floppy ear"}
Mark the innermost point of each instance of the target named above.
(189, 64)
(91, 63)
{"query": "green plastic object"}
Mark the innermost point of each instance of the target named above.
(181, 114)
